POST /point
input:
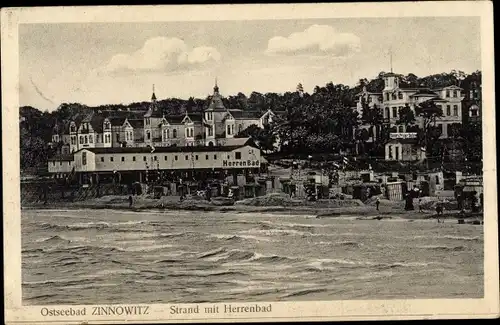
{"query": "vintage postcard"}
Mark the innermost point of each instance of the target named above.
(249, 163)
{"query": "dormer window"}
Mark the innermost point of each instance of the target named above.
(107, 125)
(447, 93)
(455, 93)
(73, 128)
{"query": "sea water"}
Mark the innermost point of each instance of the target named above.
(109, 256)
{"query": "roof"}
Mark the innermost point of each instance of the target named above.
(96, 122)
(424, 92)
(136, 123)
(175, 119)
(117, 121)
(62, 158)
(216, 103)
(124, 150)
(240, 114)
(153, 113)
(239, 142)
(195, 117)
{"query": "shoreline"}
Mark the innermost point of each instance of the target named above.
(364, 212)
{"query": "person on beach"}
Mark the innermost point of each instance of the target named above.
(130, 201)
(439, 211)
(420, 206)
(377, 203)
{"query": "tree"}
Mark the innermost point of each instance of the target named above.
(429, 112)
(406, 116)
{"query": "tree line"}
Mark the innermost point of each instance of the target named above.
(321, 122)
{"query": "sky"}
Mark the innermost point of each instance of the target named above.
(112, 63)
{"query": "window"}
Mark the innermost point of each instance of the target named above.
(111, 159)
(84, 158)
(144, 158)
(118, 137)
(215, 156)
(186, 157)
(228, 157)
(474, 111)
(455, 110)
(175, 157)
(60, 163)
(91, 140)
(237, 155)
(447, 93)
(81, 140)
(387, 112)
(148, 135)
(401, 129)
(229, 130)
(206, 157)
(210, 131)
(455, 93)
(155, 158)
(168, 134)
(166, 157)
(174, 133)
(394, 97)
(232, 129)
(86, 140)
(102, 159)
(133, 158)
(394, 112)
(123, 158)
(448, 110)
(196, 157)
(387, 96)
(400, 95)
(53, 163)
(73, 128)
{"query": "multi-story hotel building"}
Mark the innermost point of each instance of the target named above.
(395, 96)
(216, 126)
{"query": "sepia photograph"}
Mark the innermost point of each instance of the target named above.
(191, 162)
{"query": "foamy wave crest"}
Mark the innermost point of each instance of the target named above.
(239, 237)
(443, 248)
(462, 238)
(76, 226)
(85, 249)
(277, 232)
(304, 292)
(228, 255)
(261, 258)
(55, 240)
(205, 274)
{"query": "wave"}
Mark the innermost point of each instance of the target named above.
(55, 240)
(443, 248)
(476, 238)
(268, 231)
(304, 292)
(271, 258)
(211, 253)
(77, 226)
(205, 274)
(239, 237)
(237, 255)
